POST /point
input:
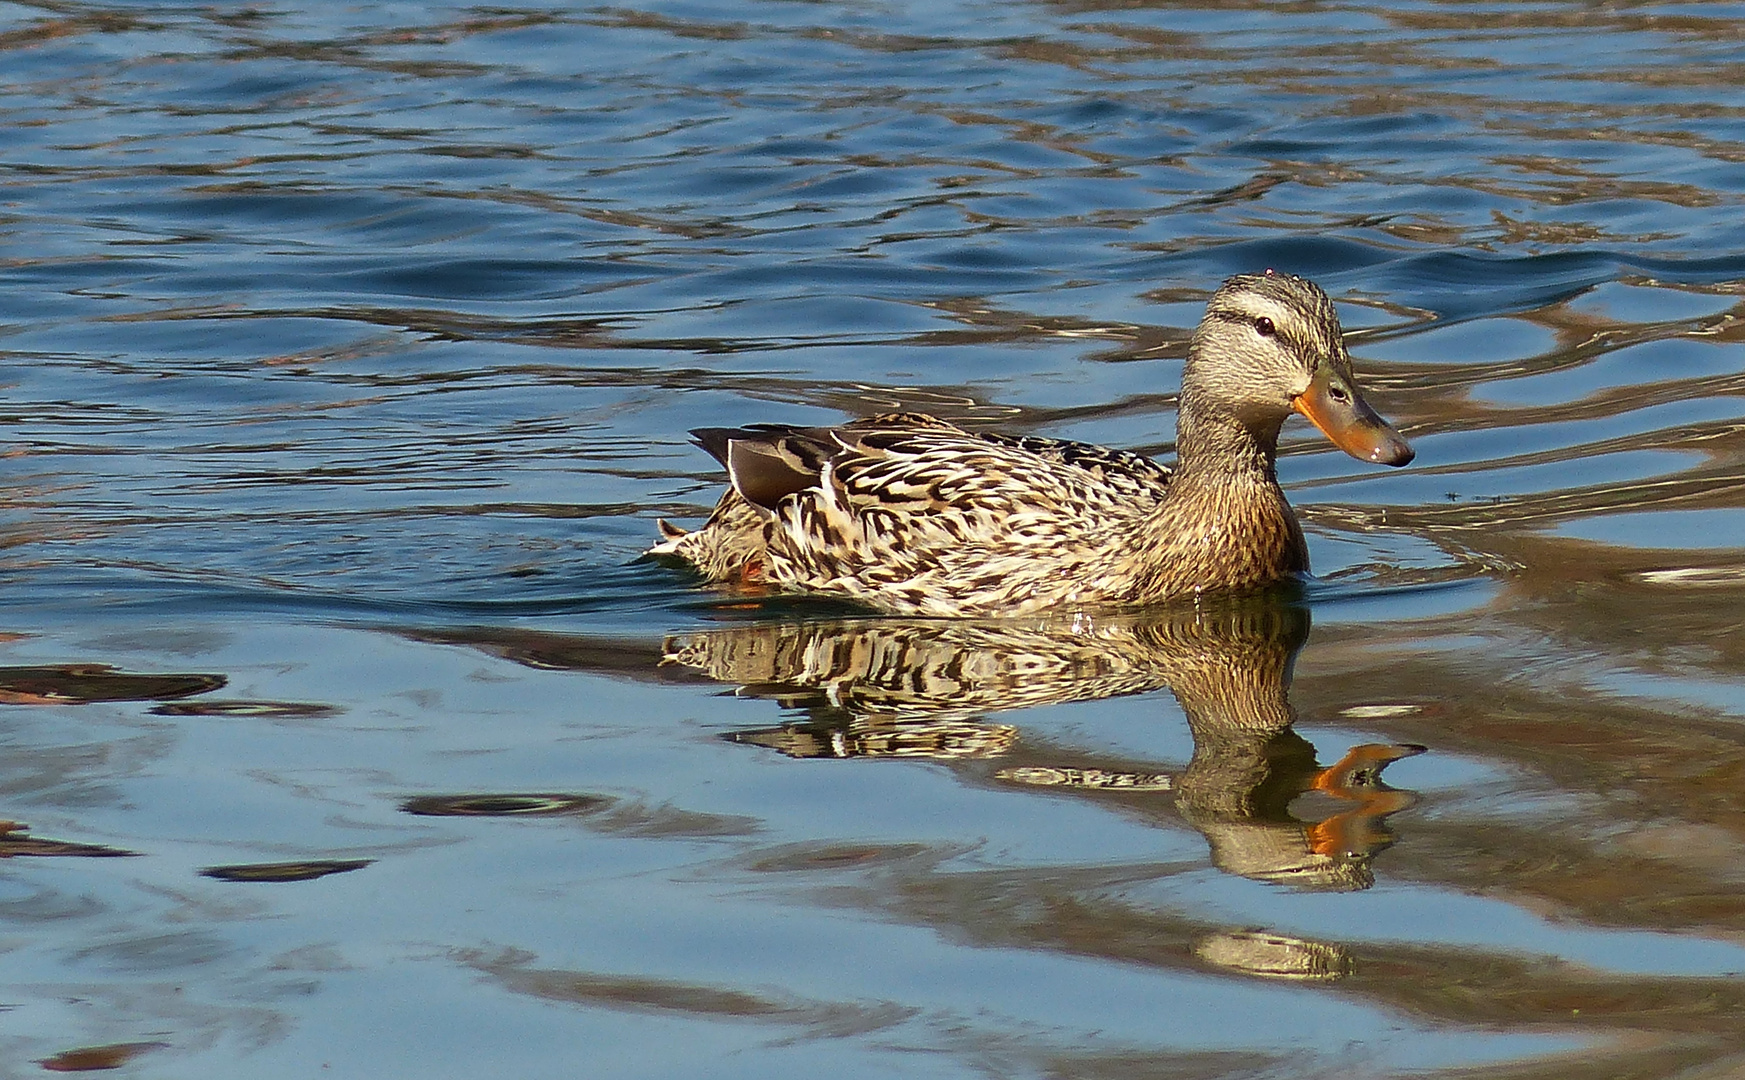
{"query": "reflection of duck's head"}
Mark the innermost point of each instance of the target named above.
(1241, 790)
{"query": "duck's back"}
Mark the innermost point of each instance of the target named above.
(913, 514)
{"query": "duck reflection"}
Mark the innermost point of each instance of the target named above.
(926, 688)
(896, 688)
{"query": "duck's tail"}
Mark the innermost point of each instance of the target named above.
(670, 535)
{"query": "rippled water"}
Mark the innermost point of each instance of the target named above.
(348, 355)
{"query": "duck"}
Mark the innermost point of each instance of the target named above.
(909, 514)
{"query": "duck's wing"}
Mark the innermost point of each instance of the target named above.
(900, 457)
(916, 514)
(1133, 473)
(768, 462)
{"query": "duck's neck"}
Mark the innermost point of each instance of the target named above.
(1225, 522)
(1214, 445)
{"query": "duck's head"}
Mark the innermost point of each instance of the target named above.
(1270, 345)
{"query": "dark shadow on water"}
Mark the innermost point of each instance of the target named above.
(13, 842)
(83, 684)
(542, 804)
(282, 872)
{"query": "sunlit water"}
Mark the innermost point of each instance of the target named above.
(348, 356)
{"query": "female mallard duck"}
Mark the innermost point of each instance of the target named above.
(916, 516)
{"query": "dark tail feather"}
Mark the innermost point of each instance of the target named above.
(715, 440)
(767, 462)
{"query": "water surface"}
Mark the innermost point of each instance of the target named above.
(348, 354)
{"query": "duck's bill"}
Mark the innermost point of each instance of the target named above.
(1334, 405)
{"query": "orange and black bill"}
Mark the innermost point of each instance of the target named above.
(1332, 404)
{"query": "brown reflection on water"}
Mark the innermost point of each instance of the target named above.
(94, 1058)
(513, 970)
(603, 813)
(1653, 1021)
(83, 684)
(14, 842)
(251, 710)
(306, 870)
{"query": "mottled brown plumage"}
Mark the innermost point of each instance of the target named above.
(911, 514)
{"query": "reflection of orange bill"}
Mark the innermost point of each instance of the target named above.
(1334, 405)
(1357, 777)
(87, 1058)
(1361, 829)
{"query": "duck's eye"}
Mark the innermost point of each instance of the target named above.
(1263, 326)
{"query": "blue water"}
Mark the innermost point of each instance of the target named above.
(346, 359)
